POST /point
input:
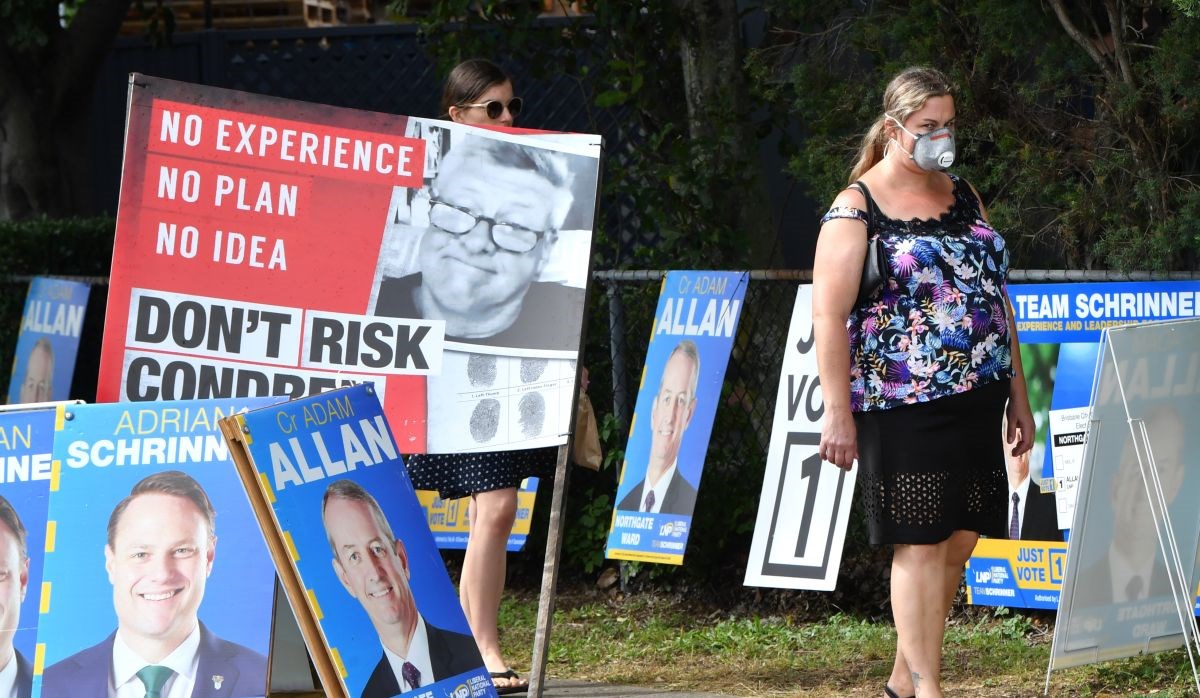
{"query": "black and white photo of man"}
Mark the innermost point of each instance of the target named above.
(495, 211)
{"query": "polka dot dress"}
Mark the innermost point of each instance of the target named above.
(455, 475)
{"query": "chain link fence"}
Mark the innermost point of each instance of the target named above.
(620, 315)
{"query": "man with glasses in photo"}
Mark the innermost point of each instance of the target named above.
(495, 209)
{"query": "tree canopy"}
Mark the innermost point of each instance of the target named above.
(1079, 121)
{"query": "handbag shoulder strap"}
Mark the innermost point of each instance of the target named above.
(872, 209)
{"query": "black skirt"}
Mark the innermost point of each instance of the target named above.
(455, 475)
(932, 468)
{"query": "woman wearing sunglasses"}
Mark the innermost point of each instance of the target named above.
(479, 93)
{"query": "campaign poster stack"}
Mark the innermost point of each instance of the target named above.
(26, 445)
(272, 247)
(450, 523)
(51, 325)
(693, 332)
(1059, 326)
(152, 553)
(354, 553)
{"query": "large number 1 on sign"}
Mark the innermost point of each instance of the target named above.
(810, 469)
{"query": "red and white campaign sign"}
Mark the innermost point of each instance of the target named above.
(272, 247)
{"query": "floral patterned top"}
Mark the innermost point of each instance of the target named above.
(940, 325)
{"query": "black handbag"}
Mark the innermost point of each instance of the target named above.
(874, 271)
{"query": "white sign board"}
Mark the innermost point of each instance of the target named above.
(805, 502)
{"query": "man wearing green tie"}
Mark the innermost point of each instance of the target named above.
(160, 551)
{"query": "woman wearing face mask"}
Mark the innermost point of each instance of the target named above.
(918, 375)
(479, 93)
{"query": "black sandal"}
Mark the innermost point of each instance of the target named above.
(890, 693)
(510, 675)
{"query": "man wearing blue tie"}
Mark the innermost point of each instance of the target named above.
(1032, 514)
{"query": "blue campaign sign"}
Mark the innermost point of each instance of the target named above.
(51, 324)
(1077, 312)
(1059, 326)
(1017, 574)
(26, 442)
(694, 328)
(153, 547)
(359, 542)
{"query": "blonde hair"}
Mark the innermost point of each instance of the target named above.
(905, 95)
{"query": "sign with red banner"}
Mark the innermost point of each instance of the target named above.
(272, 247)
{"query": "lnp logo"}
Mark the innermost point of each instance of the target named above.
(996, 574)
(673, 529)
(460, 691)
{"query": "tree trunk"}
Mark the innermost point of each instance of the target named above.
(43, 159)
(47, 73)
(719, 111)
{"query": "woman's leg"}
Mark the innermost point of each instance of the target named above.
(482, 580)
(958, 550)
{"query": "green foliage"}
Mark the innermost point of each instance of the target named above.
(43, 246)
(64, 246)
(23, 23)
(1081, 168)
(624, 58)
(1191, 8)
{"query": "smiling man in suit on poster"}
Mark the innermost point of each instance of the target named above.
(372, 565)
(160, 551)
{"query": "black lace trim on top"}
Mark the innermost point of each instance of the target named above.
(962, 213)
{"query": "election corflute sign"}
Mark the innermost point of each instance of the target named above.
(804, 507)
(694, 328)
(272, 247)
(51, 325)
(26, 444)
(1060, 327)
(152, 555)
(354, 553)
(450, 522)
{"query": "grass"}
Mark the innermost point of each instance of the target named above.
(668, 642)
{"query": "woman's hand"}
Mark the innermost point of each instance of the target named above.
(1020, 424)
(839, 439)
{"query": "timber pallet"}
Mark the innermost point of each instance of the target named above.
(242, 14)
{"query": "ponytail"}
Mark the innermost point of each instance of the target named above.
(871, 151)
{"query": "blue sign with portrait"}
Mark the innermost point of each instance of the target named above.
(359, 542)
(51, 325)
(26, 444)
(1059, 326)
(153, 556)
(694, 329)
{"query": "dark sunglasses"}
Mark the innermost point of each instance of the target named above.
(495, 107)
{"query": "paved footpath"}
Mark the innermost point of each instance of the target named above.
(570, 688)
